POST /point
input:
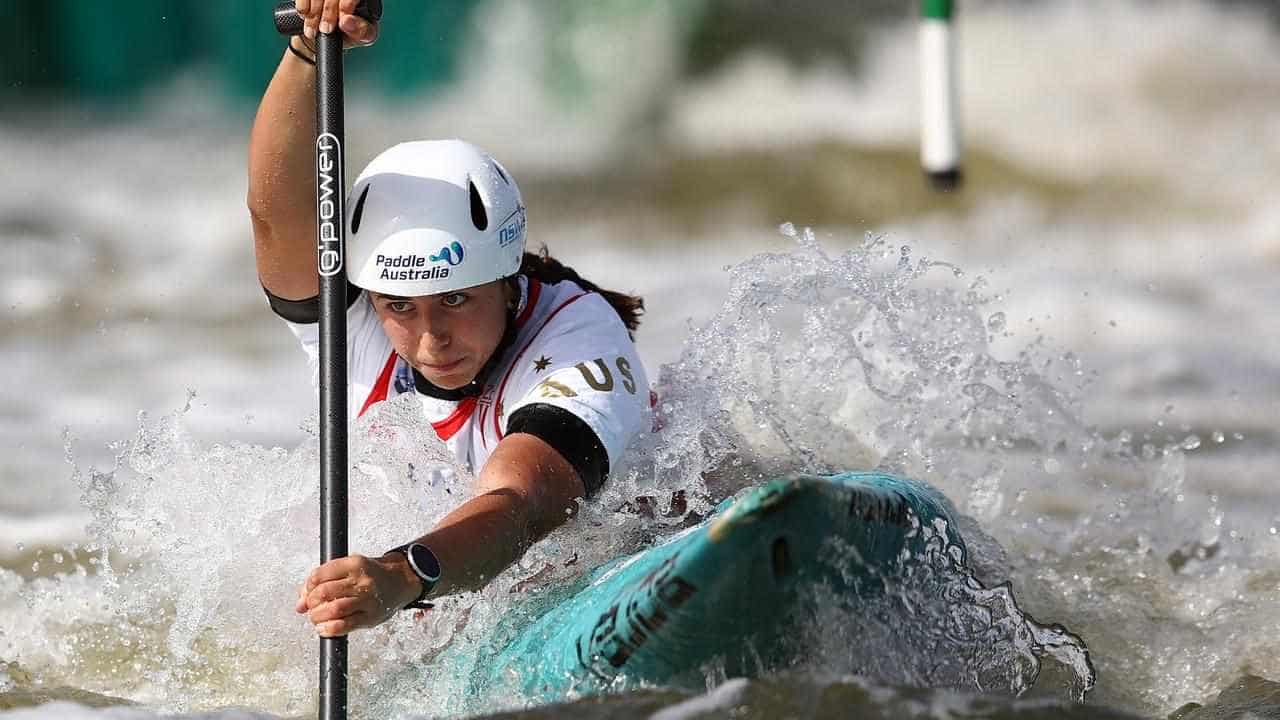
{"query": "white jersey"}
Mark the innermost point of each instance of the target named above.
(571, 351)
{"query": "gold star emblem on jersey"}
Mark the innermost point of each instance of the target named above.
(541, 363)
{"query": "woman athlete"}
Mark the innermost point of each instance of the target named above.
(527, 372)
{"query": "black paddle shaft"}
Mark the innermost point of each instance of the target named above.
(330, 260)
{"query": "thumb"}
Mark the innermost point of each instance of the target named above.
(357, 31)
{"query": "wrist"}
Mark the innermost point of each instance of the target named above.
(408, 586)
(302, 50)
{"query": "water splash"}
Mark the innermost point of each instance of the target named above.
(817, 360)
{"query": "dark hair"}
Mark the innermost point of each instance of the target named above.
(547, 269)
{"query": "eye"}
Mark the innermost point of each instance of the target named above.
(399, 306)
(453, 299)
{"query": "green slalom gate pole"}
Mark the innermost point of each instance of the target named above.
(939, 96)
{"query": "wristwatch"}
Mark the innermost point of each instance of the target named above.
(425, 565)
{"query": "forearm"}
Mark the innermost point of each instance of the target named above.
(281, 195)
(480, 539)
(525, 491)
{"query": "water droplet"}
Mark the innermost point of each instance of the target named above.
(1112, 323)
(1237, 436)
(58, 558)
(1218, 436)
(1191, 442)
(21, 547)
(1052, 466)
(996, 323)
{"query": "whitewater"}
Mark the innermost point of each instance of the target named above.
(1078, 349)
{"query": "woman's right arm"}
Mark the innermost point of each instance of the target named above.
(281, 196)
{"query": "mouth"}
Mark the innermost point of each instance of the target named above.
(443, 367)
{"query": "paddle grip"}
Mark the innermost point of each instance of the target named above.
(289, 22)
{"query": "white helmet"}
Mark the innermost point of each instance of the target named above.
(431, 217)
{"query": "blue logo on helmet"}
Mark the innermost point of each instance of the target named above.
(451, 253)
(513, 229)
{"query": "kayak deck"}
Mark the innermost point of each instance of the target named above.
(725, 591)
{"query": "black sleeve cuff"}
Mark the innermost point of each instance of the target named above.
(305, 312)
(572, 437)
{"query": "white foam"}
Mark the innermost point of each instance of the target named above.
(723, 697)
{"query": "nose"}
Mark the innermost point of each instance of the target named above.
(435, 332)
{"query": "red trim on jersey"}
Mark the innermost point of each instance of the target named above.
(382, 385)
(450, 426)
(535, 289)
(497, 402)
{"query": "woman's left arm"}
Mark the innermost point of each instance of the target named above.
(525, 490)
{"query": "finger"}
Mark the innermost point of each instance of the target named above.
(333, 570)
(335, 610)
(369, 35)
(336, 628)
(358, 32)
(352, 26)
(332, 590)
(310, 12)
(301, 605)
(329, 20)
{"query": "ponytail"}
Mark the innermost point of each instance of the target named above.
(547, 269)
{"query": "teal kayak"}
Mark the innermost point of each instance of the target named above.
(725, 591)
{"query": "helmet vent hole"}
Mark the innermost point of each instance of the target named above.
(501, 173)
(359, 211)
(478, 215)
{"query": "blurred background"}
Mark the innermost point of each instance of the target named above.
(1119, 156)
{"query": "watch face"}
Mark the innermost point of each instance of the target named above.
(424, 562)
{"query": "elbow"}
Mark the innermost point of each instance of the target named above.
(259, 207)
(270, 228)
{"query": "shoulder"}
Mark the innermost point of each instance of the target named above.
(578, 357)
(565, 308)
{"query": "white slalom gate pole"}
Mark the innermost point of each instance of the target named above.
(939, 96)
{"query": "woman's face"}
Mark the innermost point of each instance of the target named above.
(447, 337)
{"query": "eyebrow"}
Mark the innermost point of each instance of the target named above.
(390, 297)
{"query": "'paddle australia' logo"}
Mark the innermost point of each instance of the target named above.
(409, 267)
(451, 253)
